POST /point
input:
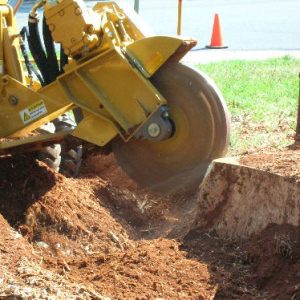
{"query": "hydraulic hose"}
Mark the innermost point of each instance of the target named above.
(50, 50)
(63, 59)
(24, 34)
(36, 48)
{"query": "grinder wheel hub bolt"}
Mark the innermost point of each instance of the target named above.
(154, 130)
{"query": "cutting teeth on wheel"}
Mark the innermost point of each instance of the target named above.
(201, 123)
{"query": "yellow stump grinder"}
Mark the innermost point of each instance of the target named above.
(164, 121)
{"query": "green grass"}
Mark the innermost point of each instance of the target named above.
(262, 97)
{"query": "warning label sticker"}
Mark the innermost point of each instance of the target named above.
(33, 112)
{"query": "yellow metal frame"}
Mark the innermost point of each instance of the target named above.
(149, 54)
(108, 79)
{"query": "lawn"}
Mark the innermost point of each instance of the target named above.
(262, 97)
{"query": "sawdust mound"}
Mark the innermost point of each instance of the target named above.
(72, 233)
(152, 215)
(101, 236)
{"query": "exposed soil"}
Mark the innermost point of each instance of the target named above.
(285, 162)
(100, 236)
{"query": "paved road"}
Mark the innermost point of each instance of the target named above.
(246, 24)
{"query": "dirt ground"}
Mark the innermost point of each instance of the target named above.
(285, 163)
(101, 237)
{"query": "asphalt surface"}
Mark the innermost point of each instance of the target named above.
(246, 25)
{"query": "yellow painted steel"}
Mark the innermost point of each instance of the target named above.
(108, 86)
(16, 97)
(110, 61)
(32, 142)
(12, 63)
(86, 130)
(9, 45)
(149, 54)
(82, 35)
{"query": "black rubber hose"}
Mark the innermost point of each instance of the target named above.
(63, 59)
(37, 50)
(24, 35)
(50, 50)
(24, 52)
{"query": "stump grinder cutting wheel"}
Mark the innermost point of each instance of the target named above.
(200, 133)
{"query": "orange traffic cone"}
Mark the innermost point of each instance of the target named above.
(216, 37)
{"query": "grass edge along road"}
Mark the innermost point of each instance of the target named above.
(262, 97)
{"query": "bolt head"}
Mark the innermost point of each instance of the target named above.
(78, 11)
(13, 100)
(51, 27)
(154, 130)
